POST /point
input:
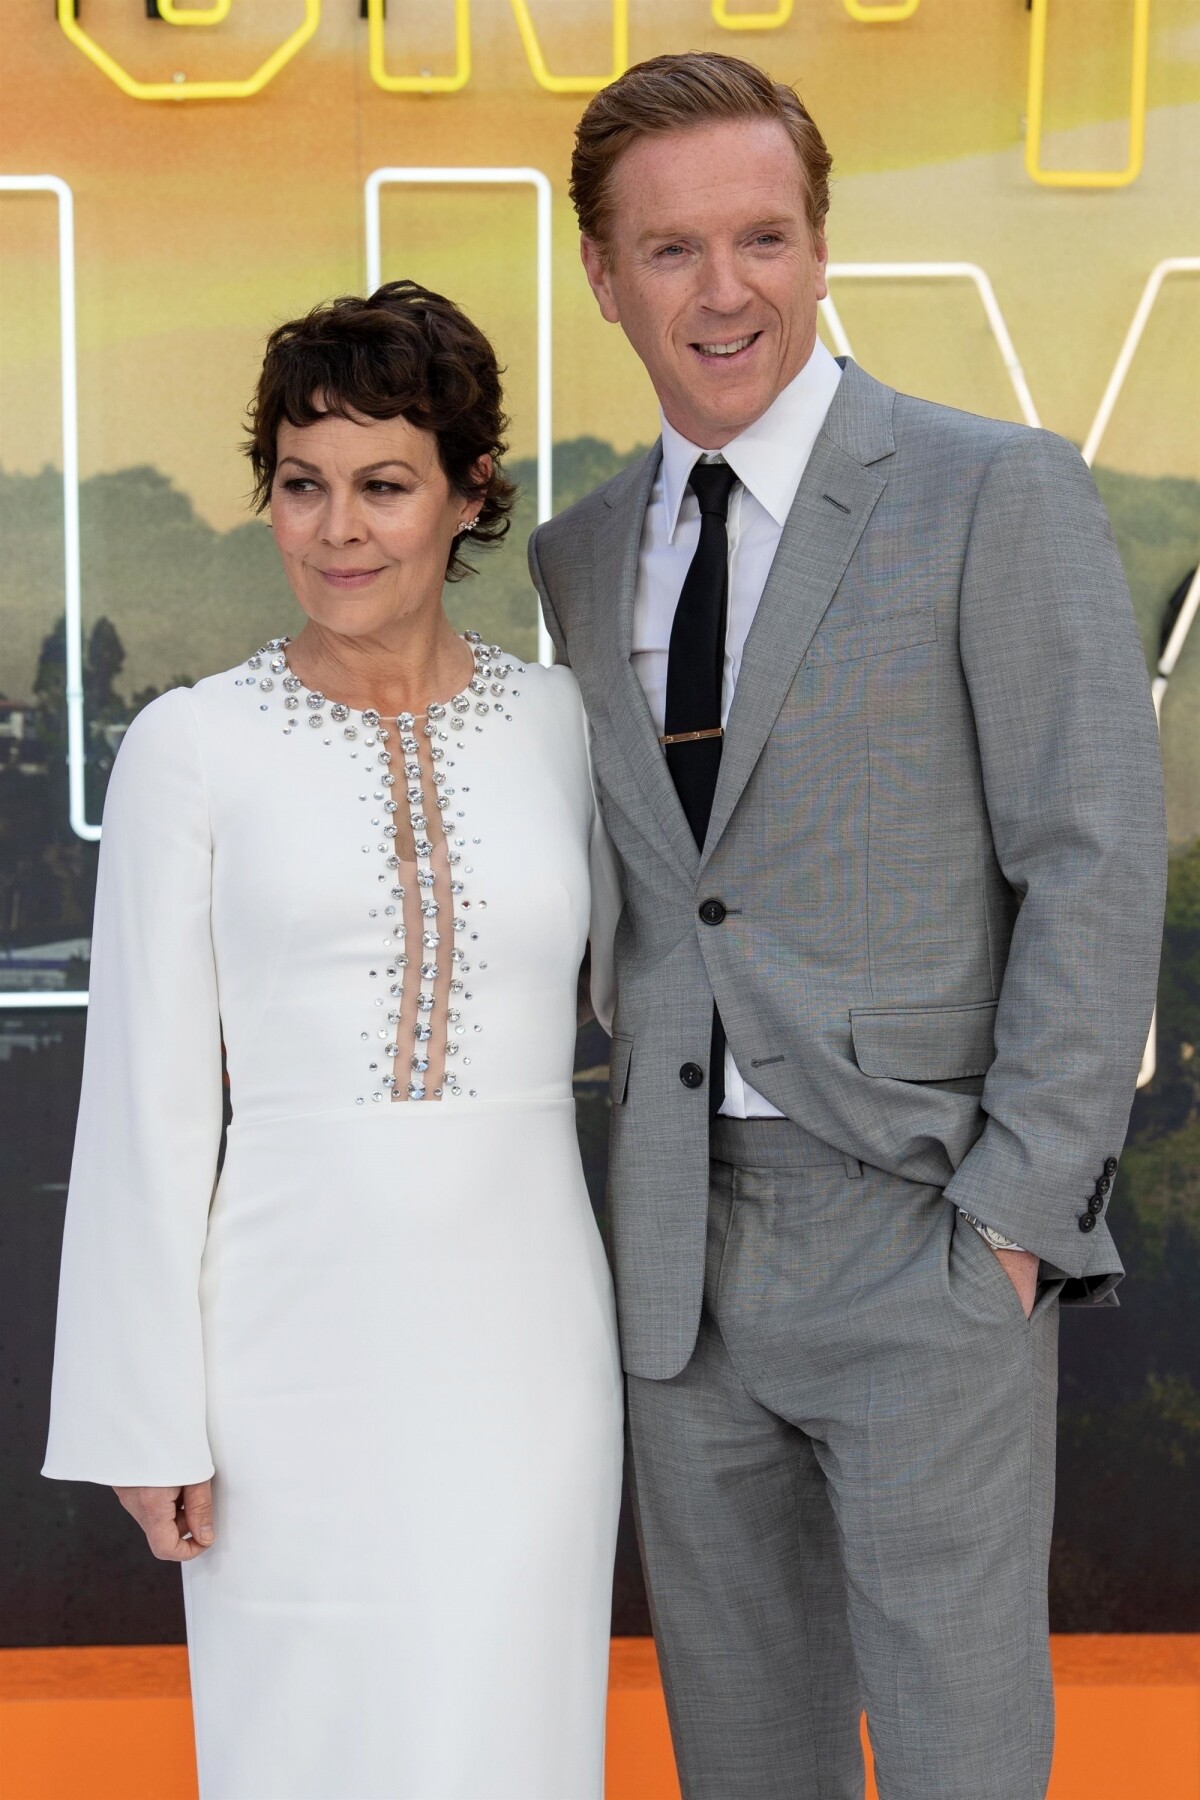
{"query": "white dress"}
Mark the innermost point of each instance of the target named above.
(388, 1324)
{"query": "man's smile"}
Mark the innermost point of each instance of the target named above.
(729, 351)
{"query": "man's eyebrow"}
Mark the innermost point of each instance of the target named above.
(664, 233)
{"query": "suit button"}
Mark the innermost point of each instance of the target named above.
(1087, 1221)
(1103, 1183)
(1110, 1167)
(692, 1075)
(1096, 1204)
(712, 911)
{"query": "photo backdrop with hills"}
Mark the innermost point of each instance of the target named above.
(169, 598)
(187, 599)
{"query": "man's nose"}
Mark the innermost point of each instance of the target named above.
(725, 289)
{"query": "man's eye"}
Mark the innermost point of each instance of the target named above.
(672, 250)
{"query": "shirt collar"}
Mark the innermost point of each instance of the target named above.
(769, 457)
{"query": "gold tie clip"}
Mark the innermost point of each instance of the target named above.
(692, 737)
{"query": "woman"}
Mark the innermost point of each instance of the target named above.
(361, 862)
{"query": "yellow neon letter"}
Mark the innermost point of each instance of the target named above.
(574, 84)
(751, 21)
(194, 15)
(883, 14)
(420, 84)
(1087, 178)
(185, 90)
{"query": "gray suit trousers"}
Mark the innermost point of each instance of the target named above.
(846, 1495)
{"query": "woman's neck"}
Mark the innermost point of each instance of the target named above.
(401, 670)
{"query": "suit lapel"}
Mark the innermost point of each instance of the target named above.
(618, 537)
(833, 503)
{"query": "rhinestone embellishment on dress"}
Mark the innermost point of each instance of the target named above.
(422, 1019)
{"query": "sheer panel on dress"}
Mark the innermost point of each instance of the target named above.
(422, 1025)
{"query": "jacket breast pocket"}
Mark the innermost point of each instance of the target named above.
(618, 1069)
(836, 642)
(924, 1043)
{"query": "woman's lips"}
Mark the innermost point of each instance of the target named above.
(349, 578)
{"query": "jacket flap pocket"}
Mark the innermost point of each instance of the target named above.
(618, 1069)
(873, 636)
(924, 1043)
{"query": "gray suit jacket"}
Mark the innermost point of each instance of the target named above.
(938, 832)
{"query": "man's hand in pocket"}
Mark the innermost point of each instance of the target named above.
(1021, 1267)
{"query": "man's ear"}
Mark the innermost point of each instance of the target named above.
(822, 250)
(599, 274)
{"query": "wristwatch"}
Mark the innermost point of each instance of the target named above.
(990, 1235)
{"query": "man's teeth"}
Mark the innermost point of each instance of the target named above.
(726, 349)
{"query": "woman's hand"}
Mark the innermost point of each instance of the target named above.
(177, 1521)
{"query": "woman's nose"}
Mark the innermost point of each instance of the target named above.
(342, 521)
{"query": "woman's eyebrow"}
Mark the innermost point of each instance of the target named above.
(389, 462)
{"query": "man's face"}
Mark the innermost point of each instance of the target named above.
(712, 271)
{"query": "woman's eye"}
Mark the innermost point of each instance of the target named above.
(299, 484)
(385, 487)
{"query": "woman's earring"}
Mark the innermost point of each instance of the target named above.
(467, 525)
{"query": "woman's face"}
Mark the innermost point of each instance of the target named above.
(364, 517)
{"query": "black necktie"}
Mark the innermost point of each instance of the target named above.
(695, 667)
(696, 659)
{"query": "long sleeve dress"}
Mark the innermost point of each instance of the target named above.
(387, 1325)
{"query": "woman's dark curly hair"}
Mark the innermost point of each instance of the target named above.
(402, 353)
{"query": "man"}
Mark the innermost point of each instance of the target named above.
(874, 743)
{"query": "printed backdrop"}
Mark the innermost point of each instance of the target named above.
(201, 222)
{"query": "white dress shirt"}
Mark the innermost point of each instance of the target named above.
(768, 458)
